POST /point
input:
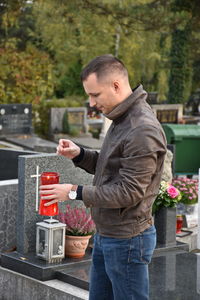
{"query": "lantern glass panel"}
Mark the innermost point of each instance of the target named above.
(42, 241)
(57, 241)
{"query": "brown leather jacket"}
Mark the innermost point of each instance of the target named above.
(127, 170)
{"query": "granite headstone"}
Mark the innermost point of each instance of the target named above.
(15, 119)
(29, 166)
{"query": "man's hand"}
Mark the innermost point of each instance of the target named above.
(68, 149)
(55, 192)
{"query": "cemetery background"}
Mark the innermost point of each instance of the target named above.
(39, 71)
(169, 258)
(24, 220)
(35, 67)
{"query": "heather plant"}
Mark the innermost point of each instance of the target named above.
(188, 188)
(78, 221)
(168, 196)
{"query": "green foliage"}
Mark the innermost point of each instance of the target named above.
(45, 44)
(65, 123)
(25, 76)
(182, 53)
(177, 74)
(70, 83)
(74, 131)
(180, 71)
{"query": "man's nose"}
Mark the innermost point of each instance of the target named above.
(92, 102)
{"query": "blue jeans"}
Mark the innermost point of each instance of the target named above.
(120, 267)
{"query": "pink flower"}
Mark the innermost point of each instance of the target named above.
(172, 191)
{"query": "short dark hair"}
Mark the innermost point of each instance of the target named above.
(103, 65)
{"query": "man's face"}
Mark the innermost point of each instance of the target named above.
(102, 95)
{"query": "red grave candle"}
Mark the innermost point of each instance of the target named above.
(179, 223)
(45, 179)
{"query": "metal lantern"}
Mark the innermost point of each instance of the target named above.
(50, 240)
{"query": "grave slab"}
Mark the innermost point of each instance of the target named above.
(34, 267)
(173, 275)
(83, 141)
(33, 143)
(15, 286)
(9, 162)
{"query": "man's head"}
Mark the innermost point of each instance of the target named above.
(105, 80)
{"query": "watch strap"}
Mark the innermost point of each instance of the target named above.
(79, 192)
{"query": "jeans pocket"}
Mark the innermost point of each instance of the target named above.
(142, 247)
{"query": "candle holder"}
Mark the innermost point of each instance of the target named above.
(46, 179)
(50, 234)
(50, 240)
(179, 223)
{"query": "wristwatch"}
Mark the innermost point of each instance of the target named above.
(73, 193)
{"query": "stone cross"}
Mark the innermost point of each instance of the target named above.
(37, 176)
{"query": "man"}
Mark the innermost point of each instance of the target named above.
(127, 174)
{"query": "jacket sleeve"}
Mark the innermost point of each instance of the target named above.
(142, 156)
(89, 161)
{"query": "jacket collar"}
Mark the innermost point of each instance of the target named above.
(123, 107)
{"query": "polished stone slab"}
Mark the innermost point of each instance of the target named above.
(77, 275)
(168, 248)
(32, 142)
(174, 275)
(30, 265)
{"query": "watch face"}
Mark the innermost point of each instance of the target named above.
(72, 195)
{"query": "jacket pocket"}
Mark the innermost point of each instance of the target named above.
(142, 247)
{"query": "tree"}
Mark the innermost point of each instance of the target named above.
(180, 80)
(75, 32)
(25, 76)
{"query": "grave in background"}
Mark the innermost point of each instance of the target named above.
(8, 208)
(9, 162)
(76, 117)
(15, 119)
(168, 113)
(16, 128)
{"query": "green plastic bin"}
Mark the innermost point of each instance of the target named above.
(186, 139)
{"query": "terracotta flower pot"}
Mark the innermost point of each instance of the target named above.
(75, 246)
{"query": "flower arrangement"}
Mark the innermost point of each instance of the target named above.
(78, 221)
(168, 196)
(188, 188)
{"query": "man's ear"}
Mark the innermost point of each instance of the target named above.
(116, 86)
